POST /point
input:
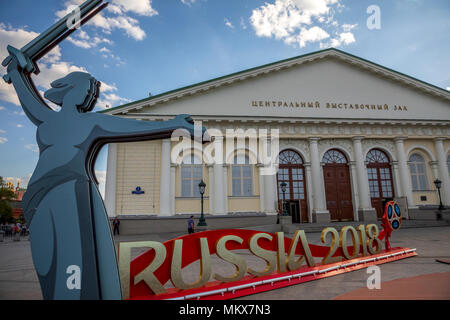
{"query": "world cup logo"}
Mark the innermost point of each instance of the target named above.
(393, 214)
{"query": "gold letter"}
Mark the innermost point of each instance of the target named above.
(205, 266)
(237, 260)
(147, 274)
(334, 245)
(343, 241)
(372, 234)
(124, 264)
(269, 256)
(292, 264)
(281, 254)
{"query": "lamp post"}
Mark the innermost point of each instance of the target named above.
(201, 188)
(283, 189)
(438, 184)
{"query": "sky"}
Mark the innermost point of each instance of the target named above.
(141, 47)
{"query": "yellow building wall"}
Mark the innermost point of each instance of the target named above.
(191, 205)
(244, 204)
(414, 146)
(143, 161)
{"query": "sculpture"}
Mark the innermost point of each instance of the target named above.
(68, 224)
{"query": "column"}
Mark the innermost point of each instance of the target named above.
(219, 190)
(269, 181)
(405, 179)
(320, 213)
(307, 166)
(262, 195)
(355, 191)
(225, 187)
(365, 210)
(173, 168)
(270, 193)
(110, 183)
(164, 187)
(396, 177)
(210, 187)
(442, 170)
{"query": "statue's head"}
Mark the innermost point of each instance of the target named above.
(79, 89)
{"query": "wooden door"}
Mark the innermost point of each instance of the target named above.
(292, 172)
(380, 179)
(338, 191)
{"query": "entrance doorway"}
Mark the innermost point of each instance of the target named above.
(380, 179)
(338, 190)
(292, 172)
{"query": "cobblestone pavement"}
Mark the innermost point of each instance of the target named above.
(18, 280)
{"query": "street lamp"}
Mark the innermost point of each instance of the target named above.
(283, 189)
(201, 188)
(438, 184)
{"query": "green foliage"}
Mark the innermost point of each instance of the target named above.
(6, 195)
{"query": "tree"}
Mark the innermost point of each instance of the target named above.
(6, 195)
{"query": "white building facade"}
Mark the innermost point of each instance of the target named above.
(352, 134)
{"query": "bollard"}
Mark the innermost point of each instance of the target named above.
(2, 235)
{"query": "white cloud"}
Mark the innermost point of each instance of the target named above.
(3, 140)
(2, 108)
(228, 23)
(141, 7)
(88, 43)
(120, 20)
(109, 100)
(349, 27)
(19, 125)
(2, 131)
(33, 147)
(299, 22)
(313, 34)
(343, 38)
(188, 2)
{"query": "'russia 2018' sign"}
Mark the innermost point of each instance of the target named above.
(287, 261)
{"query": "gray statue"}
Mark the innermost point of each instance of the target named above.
(68, 224)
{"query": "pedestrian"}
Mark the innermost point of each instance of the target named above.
(191, 225)
(116, 224)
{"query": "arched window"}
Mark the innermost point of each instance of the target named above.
(334, 156)
(417, 170)
(191, 175)
(241, 177)
(376, 156)
(289, 157)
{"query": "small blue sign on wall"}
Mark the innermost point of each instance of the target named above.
(138, 191)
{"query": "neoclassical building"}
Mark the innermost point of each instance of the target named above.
(352, 134)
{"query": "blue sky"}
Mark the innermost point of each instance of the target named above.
(137, 47)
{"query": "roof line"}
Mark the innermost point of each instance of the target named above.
(267, 65)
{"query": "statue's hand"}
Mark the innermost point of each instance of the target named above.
(17, 59)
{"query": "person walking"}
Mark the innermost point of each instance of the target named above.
(191, 225)
(116, 225)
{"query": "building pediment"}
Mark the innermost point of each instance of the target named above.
(328, 84)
